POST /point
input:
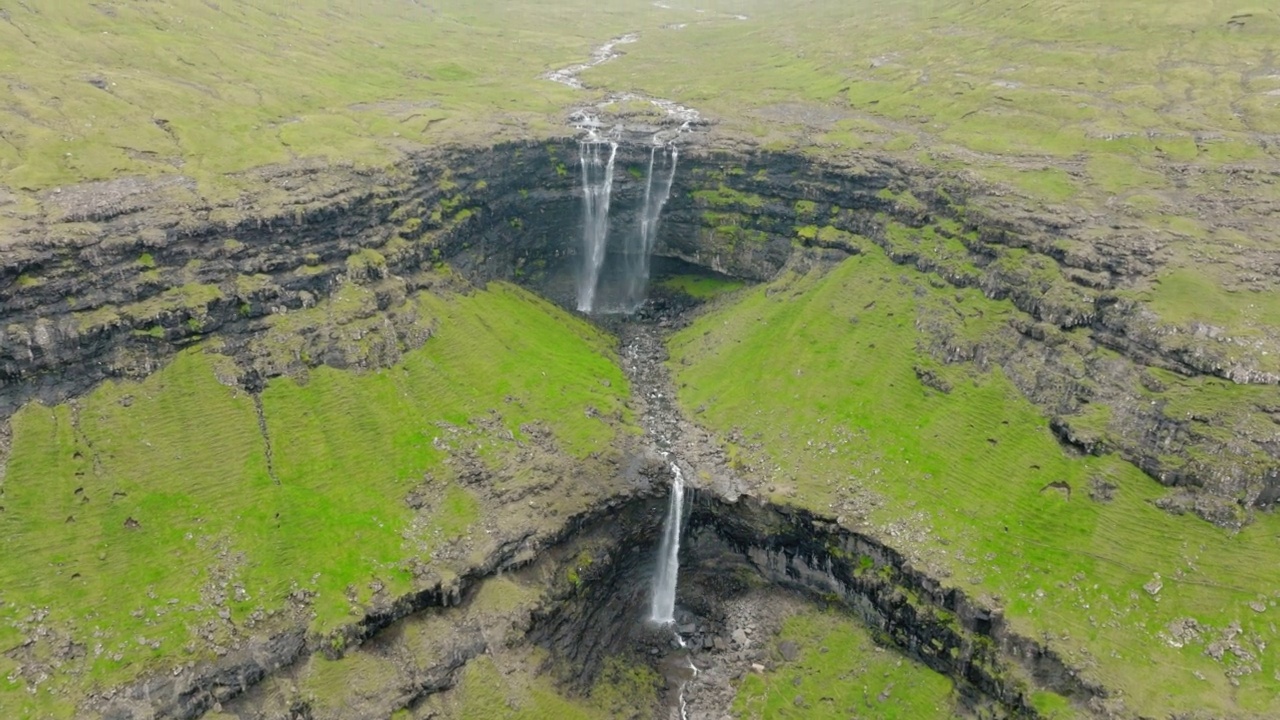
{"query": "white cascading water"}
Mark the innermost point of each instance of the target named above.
(597, 185)
(637, 255)
(663, 608)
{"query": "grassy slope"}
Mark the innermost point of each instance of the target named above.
(840, 673)
(183, 456)
(843, 424)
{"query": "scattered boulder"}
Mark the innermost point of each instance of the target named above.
(1100, 490)
(1154, 586)
(789, 650)
(929, 378)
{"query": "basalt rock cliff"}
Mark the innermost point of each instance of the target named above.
(113, 277)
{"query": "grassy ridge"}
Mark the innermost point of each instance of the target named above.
(840, 422)
(143, 522)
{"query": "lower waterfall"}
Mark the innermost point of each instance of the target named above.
(663, 607)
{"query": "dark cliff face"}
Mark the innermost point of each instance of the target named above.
(112, 293)
(995, 668)
(115, 278)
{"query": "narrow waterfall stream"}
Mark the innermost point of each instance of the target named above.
(663, 607)
(597, 186)
(640, 246)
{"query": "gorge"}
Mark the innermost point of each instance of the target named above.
(633, 414)
(58, 355)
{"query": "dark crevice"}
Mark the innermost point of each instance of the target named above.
(266, 436)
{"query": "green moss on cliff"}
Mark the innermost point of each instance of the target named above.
(512, 693)
(724, 196)
(702, 287)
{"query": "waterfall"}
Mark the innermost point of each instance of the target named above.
(597, 184)
(663, 607)
(637, 254)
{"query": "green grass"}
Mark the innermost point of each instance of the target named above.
(840, 673)
(702, 287)
(1192, 294)
(956, 480)
(1053, 184)
(727, 197)
(1052, 706)
(213, 89)
(207, 89)
(347, 448)
(1091, 76)
(515, 693)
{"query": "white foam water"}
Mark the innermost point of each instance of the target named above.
(639, 250)
(663, 607)
(597, 186)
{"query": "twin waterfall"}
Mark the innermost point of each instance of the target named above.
(597, 160)
(663, 607)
